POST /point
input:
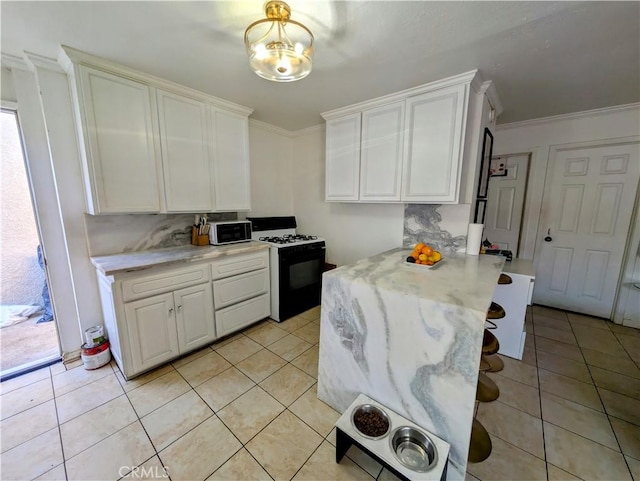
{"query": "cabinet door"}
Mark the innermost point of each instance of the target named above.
(185, 153)
(121, 161)
(151, 324)
(232, 184)
(194, 316)
(343, 158)
(381, 156)
(434, 145)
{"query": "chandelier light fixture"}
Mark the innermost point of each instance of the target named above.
(280, 49)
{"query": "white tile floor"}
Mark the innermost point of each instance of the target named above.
(246, 409)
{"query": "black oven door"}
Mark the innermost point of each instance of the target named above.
(301, 270)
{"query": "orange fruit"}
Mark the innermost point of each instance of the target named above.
(429, 262)
(427, 250)
(418, 246)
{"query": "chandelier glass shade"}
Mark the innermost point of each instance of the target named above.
(279, 49)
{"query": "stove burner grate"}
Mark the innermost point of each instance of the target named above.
(288, 239)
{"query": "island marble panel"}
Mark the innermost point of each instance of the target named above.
(410, 338)
(112, 264)
(441, 226)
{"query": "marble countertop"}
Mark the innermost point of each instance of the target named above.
(459, 279)
(523, 267)
(131, 261)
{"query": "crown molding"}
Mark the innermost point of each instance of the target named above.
(270, 128)
(571, 116)
(309, 130)
(489, 89)
(14, 62)
(69, 57)
(467, 77)
(40, 61)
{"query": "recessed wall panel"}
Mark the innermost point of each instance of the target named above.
(596, 263)
(606, 209)
(570, 209)
(504, 213)
(562, 257)
(614, 164)
(578, 166)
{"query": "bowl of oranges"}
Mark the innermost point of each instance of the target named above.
(424, 255)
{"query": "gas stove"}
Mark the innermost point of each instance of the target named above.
(280, 232)
(296, 264)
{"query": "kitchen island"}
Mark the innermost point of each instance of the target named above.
(410, 338)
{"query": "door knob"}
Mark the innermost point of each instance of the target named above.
(548, 238)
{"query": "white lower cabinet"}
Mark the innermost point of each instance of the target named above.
(158, 314)
(514, 299)
(194, 316)
(151, 326)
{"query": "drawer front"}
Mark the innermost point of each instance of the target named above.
(232, 290)
(236, 317)
(240, 264)
(146, 286)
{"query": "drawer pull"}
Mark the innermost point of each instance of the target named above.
(171, 310)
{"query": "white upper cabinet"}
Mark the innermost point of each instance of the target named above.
(343, 158)
(150, 145)
(434, 146)
(420, 145)
(232, 182)
(120, 157)
(184, 134)
(381, 153)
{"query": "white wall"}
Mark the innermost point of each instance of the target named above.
(352, 231)
(271, 153)
(6, 85)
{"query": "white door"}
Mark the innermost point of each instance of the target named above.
(151, 324)
(433, 145)
(119, 139)
(185, 153)
(505, 202)
(343, 158)
(232, 184)
(194, 315)
(381, 156)
(586, 214)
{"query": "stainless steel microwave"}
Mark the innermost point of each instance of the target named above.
(230, 232)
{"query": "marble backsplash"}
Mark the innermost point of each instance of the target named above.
(117, 234)
(441, 226)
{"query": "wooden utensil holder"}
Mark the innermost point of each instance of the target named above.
(198, 240)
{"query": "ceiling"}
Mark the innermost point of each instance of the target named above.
(545, 58)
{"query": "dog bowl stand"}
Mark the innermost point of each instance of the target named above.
(380, 449)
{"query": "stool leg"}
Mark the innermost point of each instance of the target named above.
(496, 364)
(487, 390)
(480, 444)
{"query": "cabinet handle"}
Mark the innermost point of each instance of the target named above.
(179, 307)
(171, 310)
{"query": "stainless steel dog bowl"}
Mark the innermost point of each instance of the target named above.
(414, 449)
(369, 410)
